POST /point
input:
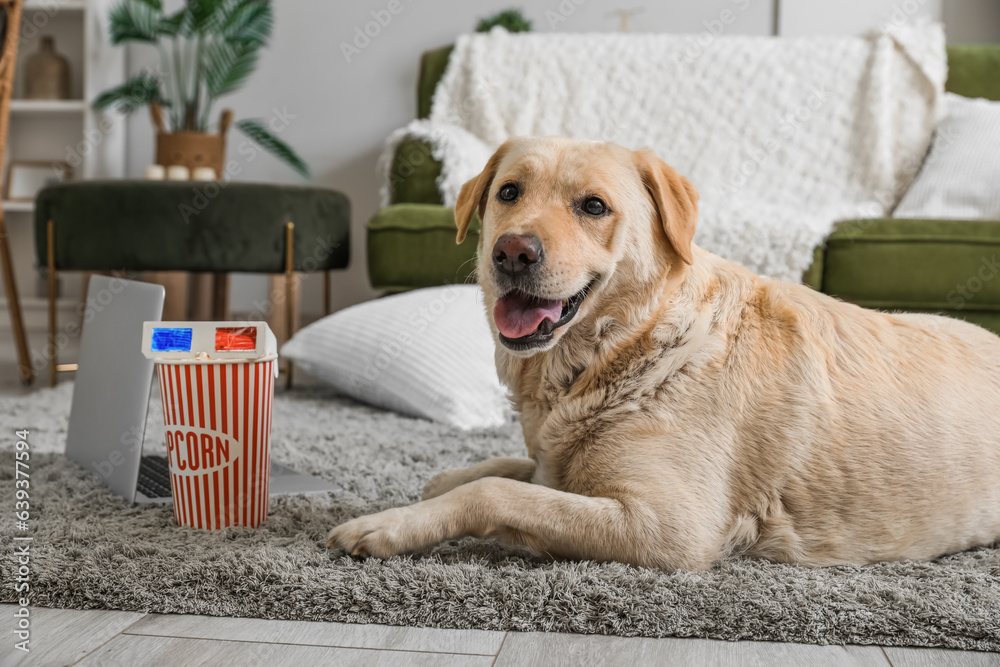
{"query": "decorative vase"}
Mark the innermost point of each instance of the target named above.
(47, 73)
(191, 149)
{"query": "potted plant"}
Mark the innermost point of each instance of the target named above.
(208, 49)
(511, 20)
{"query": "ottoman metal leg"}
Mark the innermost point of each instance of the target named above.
(53, 288)
(326, 293)
(220, 296)
(289, 291)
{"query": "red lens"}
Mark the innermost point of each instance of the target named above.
(228, 339)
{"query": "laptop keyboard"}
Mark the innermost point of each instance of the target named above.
(154, 477)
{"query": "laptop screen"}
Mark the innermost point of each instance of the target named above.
(113, 382)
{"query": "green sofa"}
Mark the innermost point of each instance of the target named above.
(940, 266)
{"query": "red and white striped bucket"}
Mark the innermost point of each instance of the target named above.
(217, 416)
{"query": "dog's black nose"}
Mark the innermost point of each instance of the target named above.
(516, 253)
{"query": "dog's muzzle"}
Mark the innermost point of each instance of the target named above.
(526, 321)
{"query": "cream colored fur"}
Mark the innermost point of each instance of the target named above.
(692, 410)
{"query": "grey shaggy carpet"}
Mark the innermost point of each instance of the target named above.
(92, 551)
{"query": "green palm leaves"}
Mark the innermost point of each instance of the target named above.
(263, 136)
(137, 92)
(207, 50)
(136, 22)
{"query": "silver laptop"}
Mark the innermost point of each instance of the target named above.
(111, 396)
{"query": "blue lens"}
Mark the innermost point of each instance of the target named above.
(172, 340)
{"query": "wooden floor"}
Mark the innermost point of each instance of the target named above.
(99, 638)
(92, 638)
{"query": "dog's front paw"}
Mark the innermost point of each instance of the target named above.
(380, 535)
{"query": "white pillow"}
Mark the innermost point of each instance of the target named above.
(960, 177)
(426, 353)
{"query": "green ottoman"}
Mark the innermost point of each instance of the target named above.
(194, 226)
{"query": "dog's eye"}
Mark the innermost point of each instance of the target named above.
(595, 206)
(508, 192)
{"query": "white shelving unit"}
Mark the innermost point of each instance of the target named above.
(18, 207)
(62, 130)
(47, 106)
(62, 5)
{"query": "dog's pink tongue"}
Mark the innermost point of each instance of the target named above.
(518, 315)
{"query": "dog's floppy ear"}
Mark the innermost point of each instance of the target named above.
(473, 194)
(675, 198)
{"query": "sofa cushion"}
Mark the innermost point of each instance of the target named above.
(414, 173)
(972, 70)
(959, 177)
(413, 245)
(427, 354)
(432, 66)
(920, 265)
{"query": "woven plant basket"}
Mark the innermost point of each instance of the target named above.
(191, 149)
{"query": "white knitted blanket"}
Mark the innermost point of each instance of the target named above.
(782, 137)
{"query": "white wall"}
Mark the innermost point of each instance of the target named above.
(343, 110)
(966, 21)
(817, 17)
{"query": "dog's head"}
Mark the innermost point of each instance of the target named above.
(565, 222)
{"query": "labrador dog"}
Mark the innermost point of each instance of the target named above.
(678, 409)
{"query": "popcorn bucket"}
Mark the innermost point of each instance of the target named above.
(217, 384)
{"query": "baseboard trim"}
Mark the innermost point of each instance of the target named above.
(36, 313)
